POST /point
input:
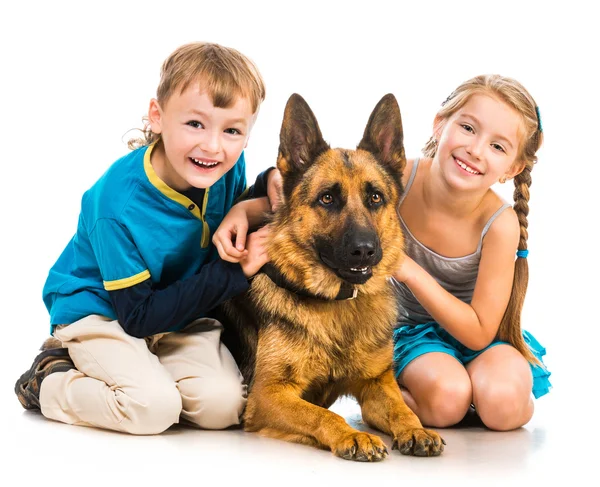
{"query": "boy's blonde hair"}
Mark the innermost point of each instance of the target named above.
(224, 73)
(517, 97)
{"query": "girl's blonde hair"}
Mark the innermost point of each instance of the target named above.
(224, 73)
(516, 96)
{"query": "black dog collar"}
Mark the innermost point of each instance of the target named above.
(346, 290)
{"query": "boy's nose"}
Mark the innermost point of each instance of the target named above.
(211, 143)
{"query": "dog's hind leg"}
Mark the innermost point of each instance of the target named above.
(384, 408)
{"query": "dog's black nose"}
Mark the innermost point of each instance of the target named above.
(363, 249)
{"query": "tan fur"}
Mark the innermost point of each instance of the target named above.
(299, 354)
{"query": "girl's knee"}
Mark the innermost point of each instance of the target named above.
(447, 403)
(504, 408)
(213, 403)
(150, 410)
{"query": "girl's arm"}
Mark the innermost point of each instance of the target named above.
(474, 325)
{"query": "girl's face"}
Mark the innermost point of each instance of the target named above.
(479, 143)
(200, 142)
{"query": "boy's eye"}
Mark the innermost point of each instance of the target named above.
(195, 124)
(233, 131)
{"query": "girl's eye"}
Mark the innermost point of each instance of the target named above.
(376, 198)
(195, 124)
(233, 131)
(498, 147)
(467, 127)
(326, 199)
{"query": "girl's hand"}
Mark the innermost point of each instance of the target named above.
(257, 255)
(230, 237)
(406, 270)
(274, 188)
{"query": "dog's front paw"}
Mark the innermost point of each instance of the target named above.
(419, 442)
(361, 447)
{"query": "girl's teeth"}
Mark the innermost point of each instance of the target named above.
(465, 167)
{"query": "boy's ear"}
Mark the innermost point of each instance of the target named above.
(155, 116)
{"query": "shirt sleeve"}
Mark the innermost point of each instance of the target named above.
(259, 188)
(119, 260)
(143, 311)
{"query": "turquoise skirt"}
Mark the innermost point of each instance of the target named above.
(411, 342)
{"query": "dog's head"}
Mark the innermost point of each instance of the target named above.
(338, 220)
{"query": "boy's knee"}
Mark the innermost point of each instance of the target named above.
(213, 403)
(151, 410)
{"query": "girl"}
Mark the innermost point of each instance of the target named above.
(458, 341)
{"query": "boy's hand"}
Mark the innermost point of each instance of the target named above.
(233, 229)
(274, 188)
(257, 255)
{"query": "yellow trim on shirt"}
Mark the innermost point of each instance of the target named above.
(178, 197)
(205, 229)
(165, 189)
(127, 281)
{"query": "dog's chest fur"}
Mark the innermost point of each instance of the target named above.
(331, 333)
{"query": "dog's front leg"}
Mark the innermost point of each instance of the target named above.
(384, 408)
(277, 410)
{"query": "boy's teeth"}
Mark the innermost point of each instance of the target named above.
(465, 167)
(205, 164)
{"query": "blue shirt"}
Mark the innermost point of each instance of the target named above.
(133, 227)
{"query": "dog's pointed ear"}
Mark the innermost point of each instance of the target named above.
(383, 135)
(300, 139)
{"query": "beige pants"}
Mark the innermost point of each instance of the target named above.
(143, 386)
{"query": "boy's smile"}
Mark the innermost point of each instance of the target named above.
(200, 142)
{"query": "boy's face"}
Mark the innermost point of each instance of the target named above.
(200, 141)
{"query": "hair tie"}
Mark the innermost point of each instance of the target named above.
(537, 111)
(450, 96)
(522, 253)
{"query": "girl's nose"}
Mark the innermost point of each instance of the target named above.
(475, 148)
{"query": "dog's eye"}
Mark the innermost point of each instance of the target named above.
(326, 199)
(376, 198)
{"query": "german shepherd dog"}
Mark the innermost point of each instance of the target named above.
(317, 324)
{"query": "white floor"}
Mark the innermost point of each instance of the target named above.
(41, 452)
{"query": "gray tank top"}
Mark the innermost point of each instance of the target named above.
(457, 275)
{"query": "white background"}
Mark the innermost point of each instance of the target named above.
(77, 76)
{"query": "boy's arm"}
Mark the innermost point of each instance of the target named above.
(268, 183)
(143, 311)
(259, 188)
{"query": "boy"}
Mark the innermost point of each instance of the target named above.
(127, 295)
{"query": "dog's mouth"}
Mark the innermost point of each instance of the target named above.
(355, 275)
(352, 275)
